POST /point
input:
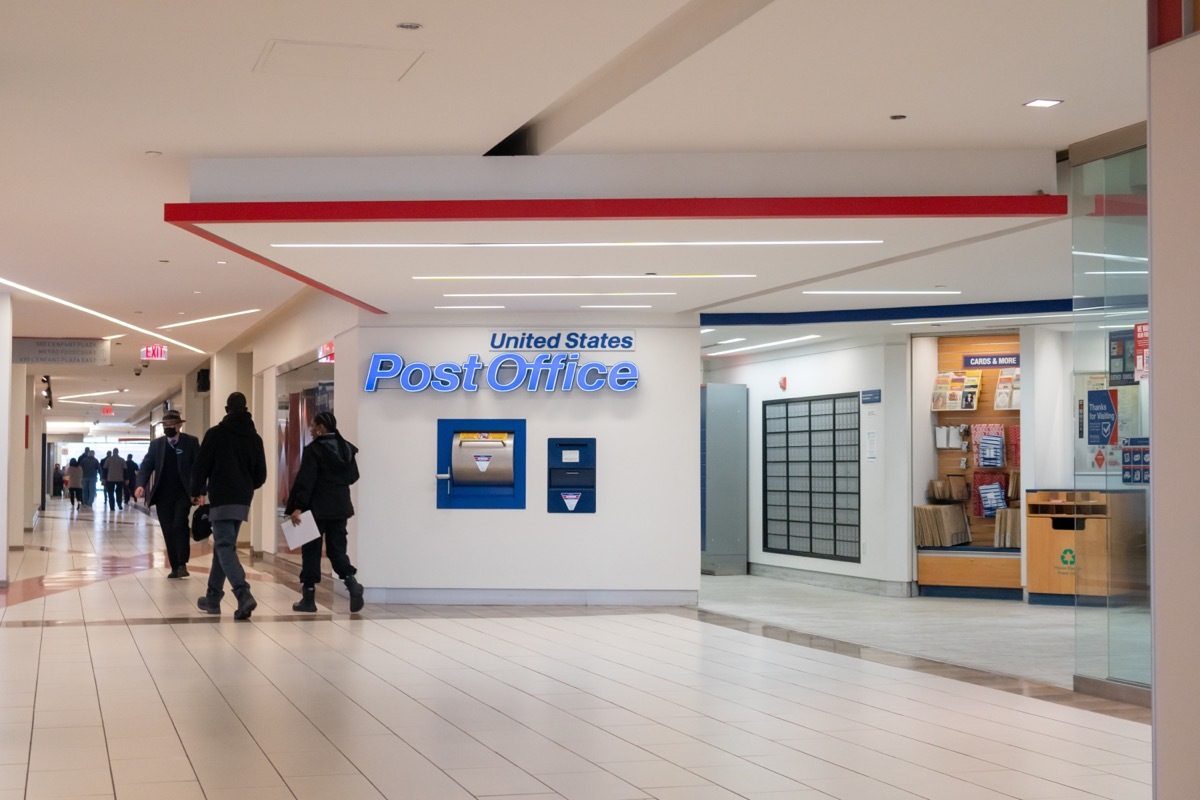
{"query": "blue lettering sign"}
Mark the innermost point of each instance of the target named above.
(545, 372)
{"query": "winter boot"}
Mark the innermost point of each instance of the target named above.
(356, 594)
(211, 605)
(308, 601)
(246, 603)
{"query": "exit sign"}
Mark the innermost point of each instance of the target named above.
(154, 352)
(107, 411)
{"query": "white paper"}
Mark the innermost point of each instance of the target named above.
(955, 441)
(941, 436)
(297, 535)
(570, 456)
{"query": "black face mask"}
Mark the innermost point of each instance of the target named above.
(169, 432)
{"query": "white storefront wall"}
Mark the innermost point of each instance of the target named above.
(886, 527)
(642, 544)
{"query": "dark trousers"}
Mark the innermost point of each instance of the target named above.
(173, 517)
(76, 496)
(114, 493)
(333, 531)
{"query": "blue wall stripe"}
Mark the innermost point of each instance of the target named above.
(879, 314)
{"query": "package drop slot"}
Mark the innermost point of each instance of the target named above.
(482, 459)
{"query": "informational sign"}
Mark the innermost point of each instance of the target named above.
(1135, 461)
(871, 396)
(30, 350)
(993, 361)
(1141, 351)
(1120, 358)
(154, 352)
(1102, 417)
(325, 353)
(562, 340)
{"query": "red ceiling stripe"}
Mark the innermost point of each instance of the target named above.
(619, 208)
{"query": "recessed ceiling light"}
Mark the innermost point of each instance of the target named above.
(209, 319)
(86, 310)
(880, 291)
(434, 245)
(768, 344)
(197, 291)
(569, 277)
(1112, 257)
(732, 341)
(707, 330)
(466, 307)
(1041, 103)
(222, 262)
(565, 294)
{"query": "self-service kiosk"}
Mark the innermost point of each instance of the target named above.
(481, 463)
(571, 478)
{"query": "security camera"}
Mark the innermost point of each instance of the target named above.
(137, 370)
(145, 364)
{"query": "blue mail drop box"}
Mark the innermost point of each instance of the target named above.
(571, 479)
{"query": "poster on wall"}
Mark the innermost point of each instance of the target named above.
(1008, 390)
(1097, 446)
(1141, 351)
(1121, 358)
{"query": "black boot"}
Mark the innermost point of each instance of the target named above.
(246, 604)
(356, 594)
(211, 605)
(308, 602)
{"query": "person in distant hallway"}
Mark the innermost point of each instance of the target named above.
(322, 486)
(56, 482)
(75, 482)
(91, 469)
(114, 479)
(232, 464)
(131, 469)
(169, 460)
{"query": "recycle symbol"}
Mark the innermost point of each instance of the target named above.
(1067, 557)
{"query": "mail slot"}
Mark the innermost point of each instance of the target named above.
(481, 463)
(482, 458)
(571, 476)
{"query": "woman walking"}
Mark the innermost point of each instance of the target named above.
(322, 486)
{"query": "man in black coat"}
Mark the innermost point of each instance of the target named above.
(169, 460)
(231, 466)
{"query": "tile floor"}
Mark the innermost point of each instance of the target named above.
(113, 685)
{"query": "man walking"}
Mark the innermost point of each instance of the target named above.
(232, 464)
(91, 468)
(114, 479)
(169, 460)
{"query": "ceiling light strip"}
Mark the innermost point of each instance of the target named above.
(470, 245)
(89, 394)
(564, 294)
(646, 276)
(209, 319)
(768, 344)
(106, 317)
(876, 291)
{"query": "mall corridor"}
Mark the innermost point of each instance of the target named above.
(114, 685)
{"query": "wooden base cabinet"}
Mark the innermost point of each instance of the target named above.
(1073, 536)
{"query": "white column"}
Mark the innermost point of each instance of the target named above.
(223, 380)
(1174, 435)
(35, 420)
(5, 441)
(263, 513)
(16, 398)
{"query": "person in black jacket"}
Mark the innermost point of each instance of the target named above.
(322, 486)
(231, 465)
(169, 460)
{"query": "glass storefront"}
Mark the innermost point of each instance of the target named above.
(302, 393)
(1112, 457)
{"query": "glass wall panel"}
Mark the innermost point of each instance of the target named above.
(1111, 269)
(302, 393)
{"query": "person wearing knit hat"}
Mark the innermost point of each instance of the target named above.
(232, 464)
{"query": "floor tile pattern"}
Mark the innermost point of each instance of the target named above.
(118, 687)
